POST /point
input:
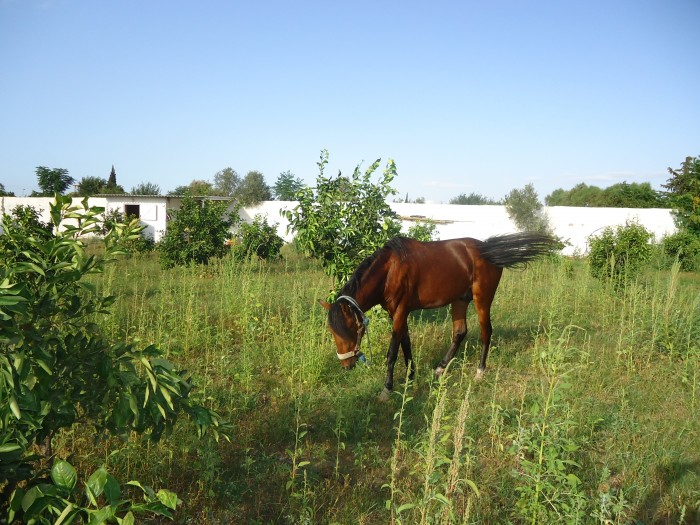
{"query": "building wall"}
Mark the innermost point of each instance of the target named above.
(574, 225)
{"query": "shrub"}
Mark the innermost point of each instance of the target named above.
(619, 254)
(57, 369)
(685, 247)
(423, 231)
(345, 219)
(140, 244)
(196, 232)
(258, 239)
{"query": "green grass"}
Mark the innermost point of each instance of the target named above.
(588, 412)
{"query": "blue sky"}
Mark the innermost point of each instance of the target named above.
(465, 96)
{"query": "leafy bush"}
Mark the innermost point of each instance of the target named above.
(423, 231)
(140, 244)
(196, 232)
(258, 239)
(685, 247)
(526, 211)
(619, 254)
(344, 220)
(58, 370)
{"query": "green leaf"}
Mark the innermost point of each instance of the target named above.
(97, 481)
(167, 498)
(64, 475)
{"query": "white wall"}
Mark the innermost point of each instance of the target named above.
(574, 225)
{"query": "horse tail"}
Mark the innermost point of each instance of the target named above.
(516, 250)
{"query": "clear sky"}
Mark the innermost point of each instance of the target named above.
(465, 96)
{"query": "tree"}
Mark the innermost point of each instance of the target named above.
(472, 198)
(253, 189)
(196, 188)
(4, 193)
(287, 186)
(145, 188)
(344, 220)
(53, 180)
(684, 194)
(197, 232)
(526, 211)
(226, 182)
(112, 186)
(620, 195)
(89, 186)
(58, 370)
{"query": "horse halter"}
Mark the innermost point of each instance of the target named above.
(365, 324)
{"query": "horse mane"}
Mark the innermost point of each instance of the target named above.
(336, 318)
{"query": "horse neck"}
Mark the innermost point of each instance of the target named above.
(368, 293)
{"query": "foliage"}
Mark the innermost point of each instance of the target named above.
(226, 182)
(342, 221)
(253, 189)
(138, 244)
(526, 211)
(258, 239)
(4, 192)
(196, 188)
(617, 255)
(112, 187)
(196, 232)
(52, 181)
(90, 186)
(684, 193)
(145, 188)
(621, 195)
(685, 247)
(61, 501)
(472, 198)
(59, 370)
(423, 231)
(287, 186)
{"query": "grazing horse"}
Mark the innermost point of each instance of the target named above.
(406, 275)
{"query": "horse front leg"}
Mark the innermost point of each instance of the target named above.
(408, 355)
(397, 335)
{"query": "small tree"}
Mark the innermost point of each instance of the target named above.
(253, 190)
(472, 198)
(342, 221)
(684, 193)
(526, 211)
(89, 186)
(196, 232)
(423, 231)
(57, 371)
(617, 255)
(287, 186)
(226, 182)
(145, 188)
(258, 239)
(53, 180)
(197, 188)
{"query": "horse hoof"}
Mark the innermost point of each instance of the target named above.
(479, 374)
(438, 372)
(384, 396)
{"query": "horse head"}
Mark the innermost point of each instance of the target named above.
(347, 324)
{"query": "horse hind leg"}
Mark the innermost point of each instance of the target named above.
(459, 332)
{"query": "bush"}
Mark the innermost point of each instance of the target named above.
(57, 369)
(685, 247)
(140, 244)
(423, 231)
(258, 239)
(196, 232)
(619, 254)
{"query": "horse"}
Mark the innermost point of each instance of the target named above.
(406, 275)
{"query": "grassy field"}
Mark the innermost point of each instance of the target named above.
(588, 412)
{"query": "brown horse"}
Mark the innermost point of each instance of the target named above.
(406, 275)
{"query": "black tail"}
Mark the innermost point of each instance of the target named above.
(516, 250)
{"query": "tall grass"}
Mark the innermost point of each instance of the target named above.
(588, 412)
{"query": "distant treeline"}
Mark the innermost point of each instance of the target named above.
(622, 195)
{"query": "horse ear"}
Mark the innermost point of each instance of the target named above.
(323, 303)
